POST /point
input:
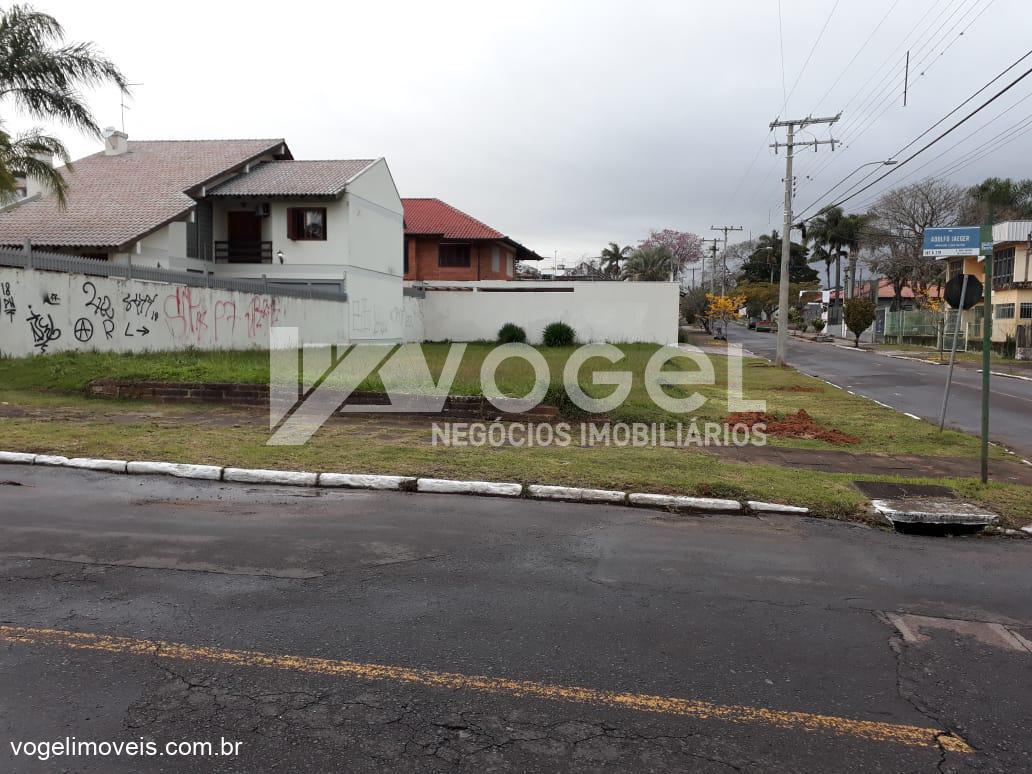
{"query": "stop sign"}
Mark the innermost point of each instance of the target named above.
(971, 297)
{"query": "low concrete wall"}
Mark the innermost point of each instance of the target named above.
(597, 311)
(47, 311)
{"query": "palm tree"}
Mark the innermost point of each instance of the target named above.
(611, 257)
(43, 77)
(653, 263)
(824, 230)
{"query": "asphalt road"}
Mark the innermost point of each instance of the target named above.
(911, 387)
(360, 631)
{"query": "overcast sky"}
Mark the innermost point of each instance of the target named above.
(567, 125)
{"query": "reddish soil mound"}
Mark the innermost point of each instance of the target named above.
(798, 425)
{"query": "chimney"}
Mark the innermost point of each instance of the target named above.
(33, 187)
(115, 142)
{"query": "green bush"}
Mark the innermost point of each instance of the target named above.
(558, 334)
(511, 333)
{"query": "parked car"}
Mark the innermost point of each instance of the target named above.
(764, 326)
(752, 324)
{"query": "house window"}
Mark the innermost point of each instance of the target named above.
(508, 265)
(496, 259)
(405, 256)
(306, 223)
(1003, 311)
(956, 266)
(453, 255)
(1026, 310)
(1003, 267)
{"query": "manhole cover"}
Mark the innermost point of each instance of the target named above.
(880, 490)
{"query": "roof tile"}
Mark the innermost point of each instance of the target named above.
(294, 178)
(113, 200)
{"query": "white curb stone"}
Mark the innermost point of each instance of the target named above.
(762, 507)
(16, 458)
(576, 494)
(87, 463)
(358, 481)
(288, 477)
(645, 500)
(177, 469)
(448, 486)
(49, 459)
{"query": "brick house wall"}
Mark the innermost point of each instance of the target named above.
(485, 256)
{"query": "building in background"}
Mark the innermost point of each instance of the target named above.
(444, 243)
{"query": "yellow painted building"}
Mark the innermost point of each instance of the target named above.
(1012, 282)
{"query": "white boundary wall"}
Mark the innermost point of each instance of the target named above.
(597, 311)
(47, 311)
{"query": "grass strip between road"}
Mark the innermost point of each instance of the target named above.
(875, 731)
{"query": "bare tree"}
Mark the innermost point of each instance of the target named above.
(894, 232)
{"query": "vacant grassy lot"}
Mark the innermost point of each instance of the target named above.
(785, 390)
(76, 426)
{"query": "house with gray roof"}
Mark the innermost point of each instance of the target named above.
(237, 208)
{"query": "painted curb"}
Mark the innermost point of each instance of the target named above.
(402, 483)
(449, 486)
(16, 458)
(106, 466)
(361, 481)
(1027, 529)
(50, 459)
(177, 469)
(575, 494)
(758, 506)
(258, 476)
(680, 503)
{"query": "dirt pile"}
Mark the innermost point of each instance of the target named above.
(798, 425)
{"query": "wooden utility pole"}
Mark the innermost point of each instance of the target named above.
(786, 234)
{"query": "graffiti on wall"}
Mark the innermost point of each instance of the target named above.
(43, 329)
(7, 305)
(61, 312)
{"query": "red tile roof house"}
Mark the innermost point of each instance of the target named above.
(240, 208)
(444, 243)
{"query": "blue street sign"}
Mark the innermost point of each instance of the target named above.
(943, 242)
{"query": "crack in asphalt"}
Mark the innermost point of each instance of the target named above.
(454, 737)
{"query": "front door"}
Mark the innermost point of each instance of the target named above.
(244, 230)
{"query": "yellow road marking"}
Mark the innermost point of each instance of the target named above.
(915, 736)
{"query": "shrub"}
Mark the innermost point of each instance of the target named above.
(511, 333)
(818, 324)
(558, 334)
(858, 315)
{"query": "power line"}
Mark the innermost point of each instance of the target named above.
(882, 94)
(851, 140)
(925, 147)
(781, 41)
(857, 54)
(882, 97)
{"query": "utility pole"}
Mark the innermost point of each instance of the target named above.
(713, 262)
(723, 260)
(786, 234)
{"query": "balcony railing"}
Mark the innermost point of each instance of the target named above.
(238, 251)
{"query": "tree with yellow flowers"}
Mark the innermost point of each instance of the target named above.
(721, 309)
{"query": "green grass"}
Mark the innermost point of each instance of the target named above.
(877, 429)
(75, 426)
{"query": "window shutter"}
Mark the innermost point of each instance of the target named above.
(291, 223)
